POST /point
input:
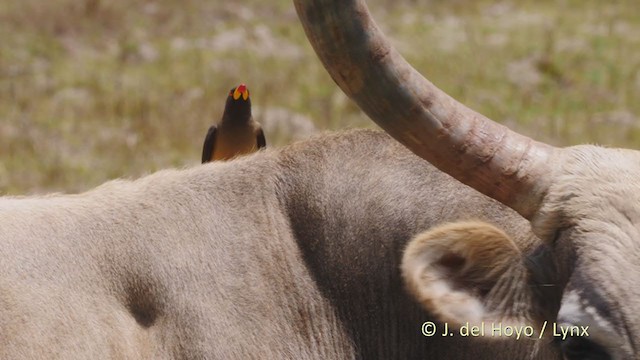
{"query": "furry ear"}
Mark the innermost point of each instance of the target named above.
(466, 272)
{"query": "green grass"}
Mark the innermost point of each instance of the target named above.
(92, 90)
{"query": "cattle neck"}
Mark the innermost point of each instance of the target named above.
(353, 201)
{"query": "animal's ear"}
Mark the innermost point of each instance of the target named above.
(467, 272)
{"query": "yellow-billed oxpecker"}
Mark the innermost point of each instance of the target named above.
(236, 133)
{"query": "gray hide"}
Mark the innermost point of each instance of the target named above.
(284, 254)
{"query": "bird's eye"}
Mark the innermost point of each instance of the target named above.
(581, 348)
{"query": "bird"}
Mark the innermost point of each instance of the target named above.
(236, 133)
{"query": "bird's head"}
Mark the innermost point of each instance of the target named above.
(238, 102)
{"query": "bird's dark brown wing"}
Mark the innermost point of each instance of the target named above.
(209, 143)
(262, 142)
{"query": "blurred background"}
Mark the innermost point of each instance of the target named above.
(92, 90)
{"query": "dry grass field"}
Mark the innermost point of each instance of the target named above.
(92, 90)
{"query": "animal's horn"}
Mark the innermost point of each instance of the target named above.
(487, 156)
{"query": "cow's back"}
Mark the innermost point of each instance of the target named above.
(289, 253)
(198, 263)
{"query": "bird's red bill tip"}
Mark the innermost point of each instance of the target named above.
(241, 90)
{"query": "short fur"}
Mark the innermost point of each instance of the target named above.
(291, 253)
(442, 264)
(590, 222)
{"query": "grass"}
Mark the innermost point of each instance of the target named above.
(92, 90)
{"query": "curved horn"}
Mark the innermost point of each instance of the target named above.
(494, 160)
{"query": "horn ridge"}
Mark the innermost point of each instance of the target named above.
(507, 166)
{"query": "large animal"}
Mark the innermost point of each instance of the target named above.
(296, 253)
(582, 202)
(284, 254)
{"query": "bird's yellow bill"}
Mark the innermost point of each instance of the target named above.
(244, 93)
